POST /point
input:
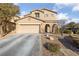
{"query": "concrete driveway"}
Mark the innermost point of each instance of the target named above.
(21, 45)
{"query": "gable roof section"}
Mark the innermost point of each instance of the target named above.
(29, 20)
(37, 19)
(43, 11)
(49, 10)
(37, 10)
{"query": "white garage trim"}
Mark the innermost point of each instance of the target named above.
(28, 28)
(30, 23)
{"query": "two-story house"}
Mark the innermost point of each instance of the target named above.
(38, 21)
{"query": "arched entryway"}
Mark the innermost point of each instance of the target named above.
(55, 28)
(47, 28)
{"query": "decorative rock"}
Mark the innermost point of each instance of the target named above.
(51, 38)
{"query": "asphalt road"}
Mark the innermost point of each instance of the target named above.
(21, 45)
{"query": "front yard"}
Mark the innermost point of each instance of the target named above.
(57, 46)
(51, 47)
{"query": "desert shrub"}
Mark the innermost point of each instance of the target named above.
(60, 30)
(77, 32)
(52, 47)
(67, 31)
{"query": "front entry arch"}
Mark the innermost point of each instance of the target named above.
(54, 28)
(47, 28)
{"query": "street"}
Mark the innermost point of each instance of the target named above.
(21, 45)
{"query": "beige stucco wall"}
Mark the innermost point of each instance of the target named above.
(35, 24)
(28, 25)
(42, 27)
(28, 20)
(41, 14)
(27, 28)
(51, 15)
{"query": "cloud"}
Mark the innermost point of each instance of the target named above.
(62, 5)
(76, 7)
(59, 6)
(16, 3)
(24, 13)
(73, 20)
(62, 16)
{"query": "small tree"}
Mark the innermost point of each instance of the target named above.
(7, 11)
(69, 28)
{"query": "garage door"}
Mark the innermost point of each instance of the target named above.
(28, 28)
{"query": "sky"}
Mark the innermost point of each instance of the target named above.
(64, 10)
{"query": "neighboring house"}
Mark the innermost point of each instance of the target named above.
(38, 21)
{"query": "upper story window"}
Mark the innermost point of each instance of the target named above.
(37, 15)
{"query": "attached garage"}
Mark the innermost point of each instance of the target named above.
(28, 25)
(28, 28)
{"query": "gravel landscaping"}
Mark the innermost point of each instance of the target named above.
(51, 47)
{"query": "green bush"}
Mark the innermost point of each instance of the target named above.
(77, 32)
(52, 47)
(60, 30)
(67, 31)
